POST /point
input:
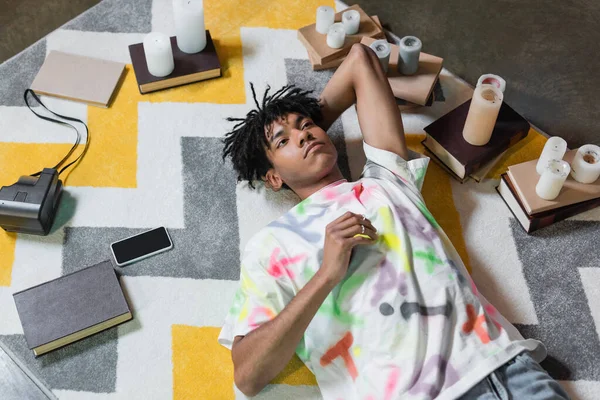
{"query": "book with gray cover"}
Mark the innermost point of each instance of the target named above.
(72, 307)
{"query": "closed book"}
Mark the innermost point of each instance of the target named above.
(188, 67)
(445, 139)
(316, 43)
(533, 222)
(525, 178)
(73, 77)
(72, 307)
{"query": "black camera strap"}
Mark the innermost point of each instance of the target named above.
(87, 132)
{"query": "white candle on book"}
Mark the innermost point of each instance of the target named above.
(483, 113)
(159, 54)
(554, 149)
(189, 25)
(552, 180)
(325, 18)
(409, 53)
(336, 35)
(351, 21)
(491, 79)
(383, 49)
(585, 167)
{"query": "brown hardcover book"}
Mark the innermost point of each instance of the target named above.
(72, 307)
(415, 88)
(188, 67)
(525, 177)
(533, 222)
(445, 140)
(316, 42)
(73, 77)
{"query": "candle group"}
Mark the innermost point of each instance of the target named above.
(554, 149)
(553, 177)
(383, 49)
(189, 25)
(408, 55)
(336, 35)
(483, 112)
(325, 18)
(585, 167)
(159, 54)
(351, 22)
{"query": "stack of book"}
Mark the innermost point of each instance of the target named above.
(517, 188)
(446, 145)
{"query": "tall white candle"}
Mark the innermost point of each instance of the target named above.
(585, 167)
(482, 116)
(491, 79)
(554, 149)
(552, 180)
(351, 21)
(325, 18)
(159, 54)
(383, 49)
(336, 36)
(189, 25)
(408, 55)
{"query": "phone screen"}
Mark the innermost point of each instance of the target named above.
(140, 245)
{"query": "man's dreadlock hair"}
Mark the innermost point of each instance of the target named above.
(245, 144)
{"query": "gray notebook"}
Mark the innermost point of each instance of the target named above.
(79, 78)
(72, 307)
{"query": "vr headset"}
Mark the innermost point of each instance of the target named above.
(30, 204)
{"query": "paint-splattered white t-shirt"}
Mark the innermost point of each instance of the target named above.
(406, 322)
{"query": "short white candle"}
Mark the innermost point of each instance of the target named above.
(482, 116)
(383, 49)
(325, 18)
(189, 25)
(554, 149)
(491, 79)
(585, 167)
(159, 54)
(336, 36)
(409, 53)
(552, 180)
(351, 21)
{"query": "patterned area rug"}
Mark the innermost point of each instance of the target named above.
(155, 160)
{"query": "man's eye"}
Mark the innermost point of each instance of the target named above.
(306, 125)
(281, 142)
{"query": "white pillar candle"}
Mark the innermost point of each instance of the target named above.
(325, 18)
(552, 180)
(336, 36)
(189, 25)
(383, 49)
(408, 55)
(351, 21)
(585, 167)
(491, 79)
(159, 54)
(483, 112)
(554, 149)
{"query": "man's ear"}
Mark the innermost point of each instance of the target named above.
(273, 180)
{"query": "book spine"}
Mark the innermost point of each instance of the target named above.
(547, 220)
(478, 163)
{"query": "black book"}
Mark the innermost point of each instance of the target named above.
(72, 307)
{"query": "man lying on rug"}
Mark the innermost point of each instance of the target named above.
(358, 279)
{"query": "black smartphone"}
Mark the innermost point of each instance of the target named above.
(140, 246)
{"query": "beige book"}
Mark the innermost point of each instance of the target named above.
(525, 178)
(79, 78)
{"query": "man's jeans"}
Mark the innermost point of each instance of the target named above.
(520, 378)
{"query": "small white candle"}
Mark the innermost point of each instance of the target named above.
(336, 36)
(189, 25)
(408, 55)
(351, 21)
(325, 18)
(554, 149)
(585, 167)
(383, 49)
(491, 79)
(482, 116)
(552, 180)
(159, 54)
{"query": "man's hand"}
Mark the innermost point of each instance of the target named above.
(341, 236)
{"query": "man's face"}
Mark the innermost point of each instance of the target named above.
(301, 152)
